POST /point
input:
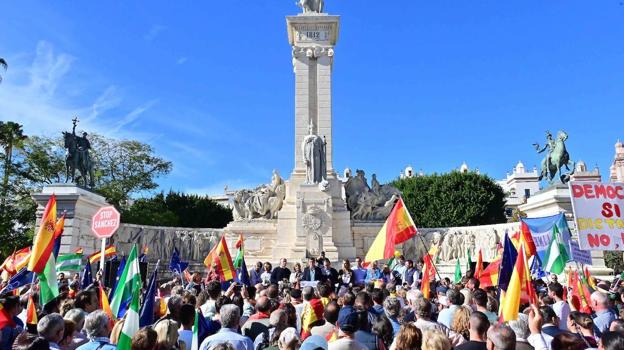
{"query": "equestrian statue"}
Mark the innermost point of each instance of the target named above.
(556, 158)
(77, 157)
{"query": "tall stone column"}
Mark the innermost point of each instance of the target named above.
(313, 37)
(314, 217)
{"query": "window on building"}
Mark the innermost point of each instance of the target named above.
(527, 192)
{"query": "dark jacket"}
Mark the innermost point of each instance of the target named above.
(280, 274)
(318, 274)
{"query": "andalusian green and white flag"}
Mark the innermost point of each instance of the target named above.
(48, 285)
(195, 340)
(131, 324)
(556, 256)
(129, 283)
(69, 262)
(458, 274)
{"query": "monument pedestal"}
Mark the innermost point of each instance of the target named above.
(549, 201)
(80, 205)
(314, 218)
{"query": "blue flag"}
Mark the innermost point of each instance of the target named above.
(147, 310)
(20, 279)
(243, 274)
(205, 328)
(176, 265)
(120, 269)
(510, 254)
(87, 277)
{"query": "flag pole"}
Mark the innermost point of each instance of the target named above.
(102, 261)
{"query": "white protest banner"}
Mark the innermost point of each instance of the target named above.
(598, 209)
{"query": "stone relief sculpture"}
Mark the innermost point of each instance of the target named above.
(366, 203)
(312, 224)
(264, 202)
(311, 6)
(314, 157)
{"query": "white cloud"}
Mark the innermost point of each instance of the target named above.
(32, 94)
(154, 31)
(219, 187)
(182, 60)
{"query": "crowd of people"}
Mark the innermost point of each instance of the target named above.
(320, 307)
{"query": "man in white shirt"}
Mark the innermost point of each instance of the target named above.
(561, 307)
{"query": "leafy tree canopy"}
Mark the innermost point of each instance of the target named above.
(177, 209)
(453, 199)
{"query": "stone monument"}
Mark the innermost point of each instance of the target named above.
(314, 216)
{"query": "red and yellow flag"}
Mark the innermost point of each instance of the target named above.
(110, 251)
(79, 250)
(427, 275)
(220, 255)
(44, 240)
(239, 242)
(489, 276)
(16, 261)
(524, 238)
(31, 312)
(105, 305)
(479, 267)
(519, 283)
(581, 296)
(312, 312)
(398, 228)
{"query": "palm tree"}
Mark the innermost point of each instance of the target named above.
(3, 64)
(11, 136)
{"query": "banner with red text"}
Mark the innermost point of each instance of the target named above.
(598, 212)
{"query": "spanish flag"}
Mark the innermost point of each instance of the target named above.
(312, 312)
(519, 284)
(105, 306)
(220, 255)
(31, 312)
(525, 239)
(110, 251)
(489, 276)
(479, 267)
(427, 275)
(44, 240)
(398, 228)
(16, 261)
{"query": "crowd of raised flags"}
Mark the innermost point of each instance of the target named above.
(516, 277)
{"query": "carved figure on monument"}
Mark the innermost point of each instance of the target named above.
(77, 157)
(312, 225)
(556, 158)
(311, 6)
(460, 245)
(492, 247)
(471, 244)
(264, 202)
(447, 249)
(314, 157)
(366, 203)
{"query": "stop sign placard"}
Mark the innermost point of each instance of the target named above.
(105, 222)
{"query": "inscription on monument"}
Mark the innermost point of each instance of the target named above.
(313, 33)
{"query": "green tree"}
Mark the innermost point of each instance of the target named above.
(178, 209)
(3, 64)
(17, 209)
(11, 137)
(453, 199)
(123, 168)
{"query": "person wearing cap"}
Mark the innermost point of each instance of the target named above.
(348, 326)
(314, 342)
(288, 340)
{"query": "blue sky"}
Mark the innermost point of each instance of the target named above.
(429, 84)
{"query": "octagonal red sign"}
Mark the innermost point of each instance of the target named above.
(105, 222)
